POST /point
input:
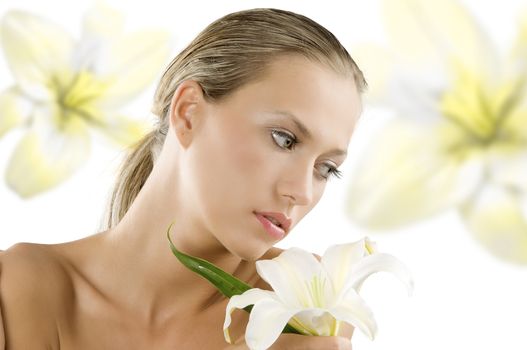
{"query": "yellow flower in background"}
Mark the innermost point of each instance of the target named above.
(459, 135)
(65, 86)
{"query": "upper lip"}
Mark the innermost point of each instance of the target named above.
(284, 221)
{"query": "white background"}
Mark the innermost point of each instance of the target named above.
(464, 298)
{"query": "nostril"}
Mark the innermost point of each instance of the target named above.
(292, 197)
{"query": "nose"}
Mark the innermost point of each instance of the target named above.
(297, 185)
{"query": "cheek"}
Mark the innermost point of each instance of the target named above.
(228, 162)
(244, 156)
(241, 158)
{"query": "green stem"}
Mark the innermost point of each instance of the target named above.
(227, 284)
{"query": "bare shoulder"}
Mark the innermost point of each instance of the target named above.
(34, 292)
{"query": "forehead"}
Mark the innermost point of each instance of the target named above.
(326, 102)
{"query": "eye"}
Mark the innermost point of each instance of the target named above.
(284, 140)
(330, 171)
(288, 141)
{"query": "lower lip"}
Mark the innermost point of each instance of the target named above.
(273, 230)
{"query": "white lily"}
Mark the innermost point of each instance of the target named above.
(459, 137)
(64, 86)
(313, 296)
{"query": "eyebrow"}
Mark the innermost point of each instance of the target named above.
(305, 131)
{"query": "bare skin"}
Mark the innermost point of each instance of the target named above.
(56, 289)
(123, 288)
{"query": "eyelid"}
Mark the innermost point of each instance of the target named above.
(287, 134)
(332, 166)
(284, 131)
(333, 171)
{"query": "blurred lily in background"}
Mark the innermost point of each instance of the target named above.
(459, 135)
(65, 87)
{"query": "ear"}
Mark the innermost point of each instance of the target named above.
(185, 110)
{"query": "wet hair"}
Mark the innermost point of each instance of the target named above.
(230, 52)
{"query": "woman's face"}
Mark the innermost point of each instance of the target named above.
(268, 148)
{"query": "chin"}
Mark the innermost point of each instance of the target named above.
(250, 253)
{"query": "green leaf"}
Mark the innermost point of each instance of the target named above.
(226, 283)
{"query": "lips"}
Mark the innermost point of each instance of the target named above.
(273, 220)
(278, 219)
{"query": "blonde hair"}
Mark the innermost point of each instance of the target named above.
(227, 54)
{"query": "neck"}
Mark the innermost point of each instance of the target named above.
(149, 273)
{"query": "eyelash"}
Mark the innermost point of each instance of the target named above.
(332, 170)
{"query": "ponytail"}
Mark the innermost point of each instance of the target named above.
(134, 171)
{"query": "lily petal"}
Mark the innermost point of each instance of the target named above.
(46, 155)
(14, 109)
(514, 129)
(377, 263)
(393, 82)
(315, 321)
(377, 65)
(498, 220)
(518, 59)
(266, 322)
(352, 309)
(409, 173)
(339, 259)
(250, 297)
(414, 93)
(292, 276)
(35, 49)
(102, 25)
(102, 21)
(124, 131)
(129, 64)
(437, 31)
(371, 246)
(508, 168)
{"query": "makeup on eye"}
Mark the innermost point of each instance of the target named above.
(303, 129)
(332, 171)
(289, 137)
(277, 134)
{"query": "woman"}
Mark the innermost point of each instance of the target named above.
(254, 116)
